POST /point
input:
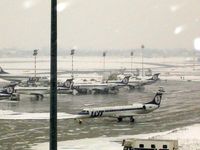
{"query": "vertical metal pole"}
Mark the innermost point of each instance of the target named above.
(104, 61)
(72, 66)
(35, 52)
(35, 66)
(142, 61)
(53, 87)
(72, 53)
(131, 62)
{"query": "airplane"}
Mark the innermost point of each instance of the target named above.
(93, 87)
(11, 77)
(22, 78)
(38, 91)
(135, 81)
(4, 83)
(5, 94)
(126, 111)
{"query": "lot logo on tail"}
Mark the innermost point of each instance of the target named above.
(126, 80)
(157, 99)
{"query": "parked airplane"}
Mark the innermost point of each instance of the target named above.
(11, 77)
(121, 112)
(5, 94)
(111, 87)
(37, 91)
(23, 78)
(141, 81)
(4, 83)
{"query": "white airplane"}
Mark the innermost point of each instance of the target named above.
(38, 91)
(22, 78)
(135, 81)
(4, 83)
(11, 77)
(121, 112)
(6, 94)
(111, 87)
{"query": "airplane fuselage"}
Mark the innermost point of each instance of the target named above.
(15, 78)
(118, 111)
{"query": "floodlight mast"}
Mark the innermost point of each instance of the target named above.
(35, 52)
(142, 61)
(132, 61)
(72, 54)
(104, 61)
(53, 87)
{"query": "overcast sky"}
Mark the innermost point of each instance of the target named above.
(97, 24)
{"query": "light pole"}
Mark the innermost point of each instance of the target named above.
(72, 54)
(104, 61)
(142, 60)
(53, 85)
(132, 62)
(35, 52)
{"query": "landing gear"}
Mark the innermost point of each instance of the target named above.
(74, 92)
(15, 97)
(39, 96)
(119, 119)
(132, 119)
(80, 121)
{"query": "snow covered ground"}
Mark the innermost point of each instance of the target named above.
(188, 138)
(11, 115)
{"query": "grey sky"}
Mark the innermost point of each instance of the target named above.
(117, 24)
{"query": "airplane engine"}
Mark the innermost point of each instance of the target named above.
(144, 107)
(149, 107)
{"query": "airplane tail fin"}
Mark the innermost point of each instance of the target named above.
(157, 98)
(125, 80)
(68, 83)
(155, 77)
(2, 71)
(10, 88)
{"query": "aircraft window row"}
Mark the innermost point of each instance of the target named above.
(122, 109)
(84, 112)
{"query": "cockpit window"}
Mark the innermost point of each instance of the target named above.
(84, 112)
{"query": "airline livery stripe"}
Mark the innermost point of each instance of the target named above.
(125, 109)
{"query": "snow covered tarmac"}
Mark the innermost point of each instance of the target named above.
(188, 138)
(25, 124)
(10, 115)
